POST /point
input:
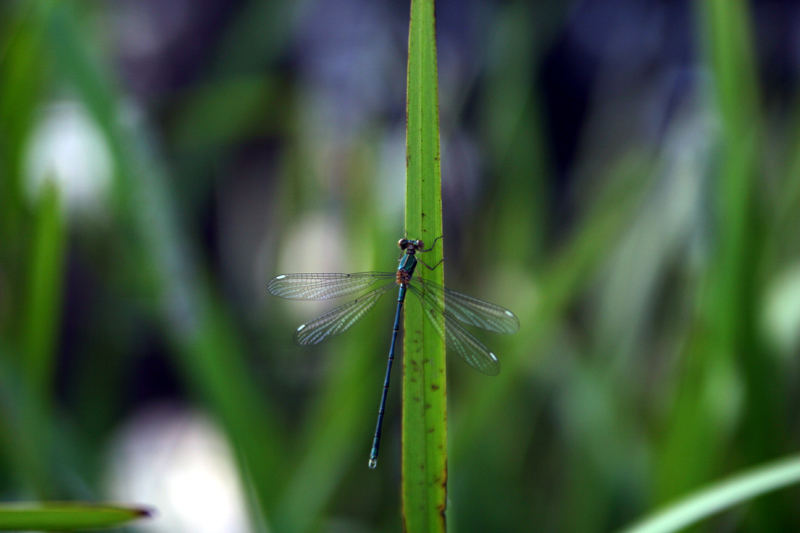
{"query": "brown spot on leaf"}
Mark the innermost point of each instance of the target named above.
(443, 506)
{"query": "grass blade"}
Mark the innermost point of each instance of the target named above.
(424, 385)
(204, 337)
(721, 496)
(726, 353)
(66, 516)
(41, 326)
(44, 291)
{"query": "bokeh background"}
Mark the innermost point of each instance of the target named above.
(622, 174)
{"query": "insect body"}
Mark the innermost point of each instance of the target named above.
(440, 304)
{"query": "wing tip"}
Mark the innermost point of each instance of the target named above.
(495, 368)
(514, 321)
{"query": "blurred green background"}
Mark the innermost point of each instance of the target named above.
(624, 175)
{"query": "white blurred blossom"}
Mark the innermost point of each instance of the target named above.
(67, 148)
(178, 463)
(781, 317)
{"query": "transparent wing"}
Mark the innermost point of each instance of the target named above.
(470, 310)
(456, 337)
(339, 319)
(323, 286)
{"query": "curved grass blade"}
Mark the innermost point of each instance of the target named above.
(470, 349)
(323, 286)
(66, 516)
(472, 311)
(339, 319)
(720, 496)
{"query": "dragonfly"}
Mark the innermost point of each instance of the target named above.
(448, 310)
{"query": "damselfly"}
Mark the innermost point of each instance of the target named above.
(440, 304)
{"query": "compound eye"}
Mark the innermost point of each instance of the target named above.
(403, 244)
(419, 244)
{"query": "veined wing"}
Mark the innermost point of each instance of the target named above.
(468, 309)
(457, 338)
(339, 319)
(323, 286)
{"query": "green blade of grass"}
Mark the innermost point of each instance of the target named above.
(337, 416)
(44, 291)
(66, 516)
(725, 353)
(740, 221)
(20, 85)
(424, 453)
(205, 340)
(720, 496)
(562, 279)
(40, 328)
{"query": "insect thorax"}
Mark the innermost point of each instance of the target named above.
(406, 268)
